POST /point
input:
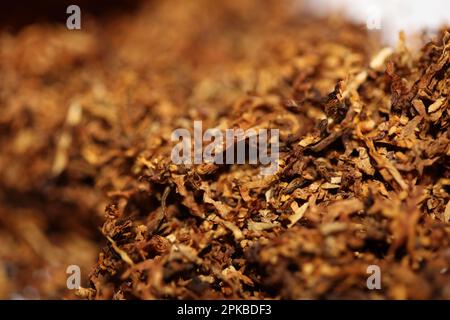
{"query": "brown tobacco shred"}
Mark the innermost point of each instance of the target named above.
(364, 157)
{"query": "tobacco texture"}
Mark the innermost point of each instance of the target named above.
(86, 131)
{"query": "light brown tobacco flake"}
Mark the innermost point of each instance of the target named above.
(447, 212)
(298, 212)
(436, 105)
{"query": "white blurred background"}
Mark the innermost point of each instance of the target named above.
(390, 16)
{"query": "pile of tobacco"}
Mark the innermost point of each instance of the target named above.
(87, 177)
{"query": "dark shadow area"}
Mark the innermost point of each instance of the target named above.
(17, 14)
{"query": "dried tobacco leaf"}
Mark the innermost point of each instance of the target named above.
(364, 149)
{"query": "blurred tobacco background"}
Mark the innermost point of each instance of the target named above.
(86, 177)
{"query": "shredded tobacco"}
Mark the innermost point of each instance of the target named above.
(363, 179)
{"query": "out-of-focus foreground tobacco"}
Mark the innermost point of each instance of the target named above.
(86, 122)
